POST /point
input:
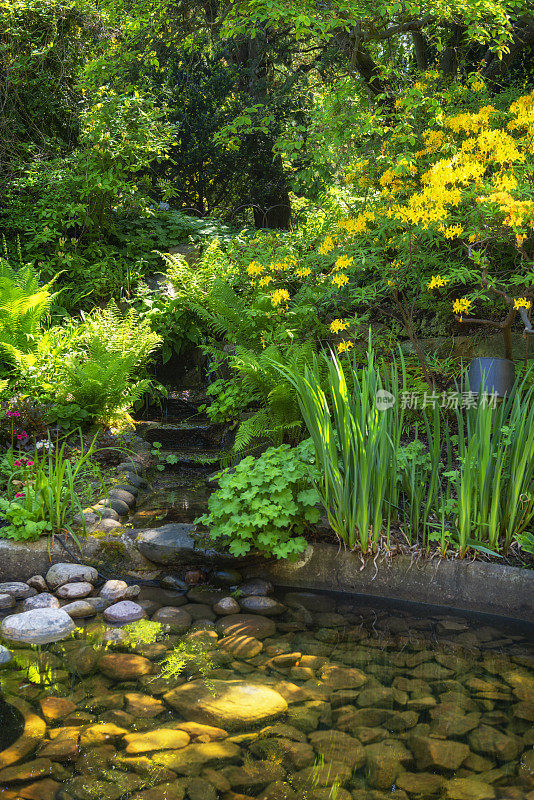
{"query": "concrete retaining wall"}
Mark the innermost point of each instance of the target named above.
(460, 584)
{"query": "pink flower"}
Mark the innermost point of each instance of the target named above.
(29, 463)
(19, 494)
(13, 413)
(18, 463)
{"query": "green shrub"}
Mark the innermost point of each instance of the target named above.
(265, 503)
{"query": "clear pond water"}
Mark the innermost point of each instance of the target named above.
(329, 699)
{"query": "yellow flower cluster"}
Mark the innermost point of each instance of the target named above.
(436, 282)
(254, 268)
(344, 347)
(340, 280)
(453, 232)
(462, 305)
(343, 262)
(338, 325)
(266, 280)
(522, 302)
(359, 224)
(278, 296)
(469, 123)
(303, 272)
(327, 246)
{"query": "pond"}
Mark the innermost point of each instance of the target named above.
(301, 695)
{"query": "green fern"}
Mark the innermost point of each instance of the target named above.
(23, 306)
(101, 384)
(123, 334)
(279, 418)
(227, 314)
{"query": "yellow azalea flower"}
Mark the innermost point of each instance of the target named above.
(522, 302)
(520, 238)
(279, 296)
(254, 268)
(344, 347)
(265, 281)
(326, 246)
(263, 342)
(462, 305)
(343, 262)
(303, 272)
(340, 280)
(453, 231)
(436, 282)
(338, 325)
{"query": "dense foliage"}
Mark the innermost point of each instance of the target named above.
(303, 196)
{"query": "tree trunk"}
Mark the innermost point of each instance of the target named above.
(420, 49)
(523, 37)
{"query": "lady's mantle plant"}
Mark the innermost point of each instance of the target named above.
(266, 503)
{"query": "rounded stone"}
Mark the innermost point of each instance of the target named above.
(136, 480)
(247, 625)
(7, 600)
(124, 666)
(177, 619)
(127, 487)
(123, 612)
(43, 600)
(6, 656)
(79, 609)
(17, 589)
(131, 466)
(62, 573)
(114, 590)
(37, 582)
(102, 512)
(123, 496)
(158, 739)
(98, 603)
(122, 508)
(256, 586)
(241, 646)
(230, 705)
(201, 594)
(105, 525)
(74, 591)
(256, 604)
(174, 583)
(38, 626)
(225, 606)
(227, 577)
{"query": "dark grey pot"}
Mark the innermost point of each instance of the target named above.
(497, 375)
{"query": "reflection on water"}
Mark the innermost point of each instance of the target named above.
(324, 699)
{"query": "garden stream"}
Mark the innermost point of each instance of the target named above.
(244, 691)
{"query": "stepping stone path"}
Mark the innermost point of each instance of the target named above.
(297, 697)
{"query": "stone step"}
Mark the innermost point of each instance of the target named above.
(193, 458)
(180, 435)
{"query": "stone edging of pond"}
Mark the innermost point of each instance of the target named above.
(475, 586)
(465, 585)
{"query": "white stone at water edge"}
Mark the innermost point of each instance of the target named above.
(38, 626)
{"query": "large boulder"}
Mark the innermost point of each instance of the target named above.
(227, 704)
(170, 544)
(38, 626)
